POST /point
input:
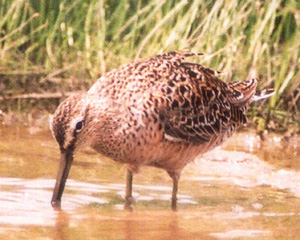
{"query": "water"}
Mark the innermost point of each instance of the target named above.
(246, 189)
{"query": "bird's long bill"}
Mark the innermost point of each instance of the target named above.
(62, 175)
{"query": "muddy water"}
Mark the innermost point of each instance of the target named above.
(246, 189)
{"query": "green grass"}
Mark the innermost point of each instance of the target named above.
(80, 40)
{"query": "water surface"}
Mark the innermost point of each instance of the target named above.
(245, 189)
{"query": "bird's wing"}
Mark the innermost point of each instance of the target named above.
(196, 105)
(185, 100)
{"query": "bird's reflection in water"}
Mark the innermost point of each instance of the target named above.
(129, 225)
(61, 224)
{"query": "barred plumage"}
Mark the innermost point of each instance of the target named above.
(159, 112)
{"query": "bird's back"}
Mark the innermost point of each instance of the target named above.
(173, 106)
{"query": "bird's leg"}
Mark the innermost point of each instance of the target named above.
(128, 191)
(174, 194)
(175, 177)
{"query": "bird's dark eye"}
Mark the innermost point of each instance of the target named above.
(79, 126)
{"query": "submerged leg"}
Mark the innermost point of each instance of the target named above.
(128, 191)
(175, 177)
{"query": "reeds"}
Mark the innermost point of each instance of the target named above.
(88, 38)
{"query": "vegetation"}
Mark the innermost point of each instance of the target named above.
(50, 46)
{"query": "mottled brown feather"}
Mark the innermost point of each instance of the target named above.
(188, 99)
(161, 111)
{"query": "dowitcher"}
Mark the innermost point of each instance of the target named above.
(161, 112)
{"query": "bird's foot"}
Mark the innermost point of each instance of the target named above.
(128, 202)
(130, 199)
(56, 205)
(128, 207)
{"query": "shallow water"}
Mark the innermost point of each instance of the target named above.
(245, 189)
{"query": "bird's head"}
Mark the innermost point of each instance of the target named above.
(68, 122)
(69, 128)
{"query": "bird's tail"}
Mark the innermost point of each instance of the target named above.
(243, 93)
(263, 94)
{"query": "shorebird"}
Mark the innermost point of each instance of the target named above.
(160, 112)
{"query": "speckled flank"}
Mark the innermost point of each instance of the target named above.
(160, 112)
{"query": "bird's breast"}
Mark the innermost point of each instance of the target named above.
(150, 148)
